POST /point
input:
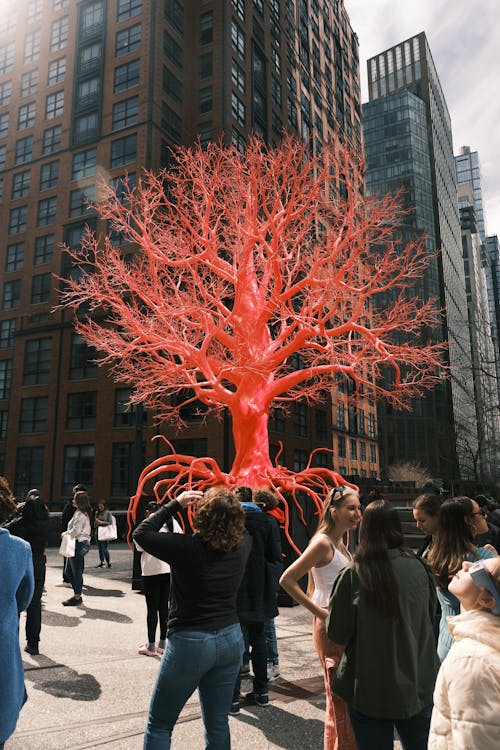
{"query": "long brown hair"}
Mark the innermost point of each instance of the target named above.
(83, 504)
(379, 532)
(219, 519)
(7, 505)
(453, 540)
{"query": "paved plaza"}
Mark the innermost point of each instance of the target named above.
(90, 689)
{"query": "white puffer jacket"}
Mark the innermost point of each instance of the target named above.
(466, 713)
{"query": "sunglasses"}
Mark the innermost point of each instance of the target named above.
(484, 580)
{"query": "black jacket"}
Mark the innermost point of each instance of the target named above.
(257, 593)
(32, 525)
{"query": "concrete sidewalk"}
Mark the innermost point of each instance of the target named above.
(90, 689)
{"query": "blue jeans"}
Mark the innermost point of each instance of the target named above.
(195, 659)
(103, 547)
(75, 567)
(378, 734)
(271, 641)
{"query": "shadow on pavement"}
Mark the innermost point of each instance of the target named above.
(64, 681)
(61, 620)
(92, 591)
(283, 728)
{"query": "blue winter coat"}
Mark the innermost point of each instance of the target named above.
(16, 591)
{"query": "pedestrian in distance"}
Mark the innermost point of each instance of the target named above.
(156, 587)
(102, 518)
(80, 528)
(66, 516)
(466, 712)
(322, 561)
(453, 543)
(256, 601)
(381, 611)
(32, 525)
(16, 590)
(204, 644)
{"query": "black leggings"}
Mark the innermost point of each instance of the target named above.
(157, 592)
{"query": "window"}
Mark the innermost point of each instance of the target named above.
(238, 109)
(4, 124)
(7, 331)
(44, 249)
(171, 85)
(206, 65)
(92, 17)
(47, 210)
(299, 460)
(35, 10)
(32, 47)
(126, 76)
(90, 57)
(84, 164)
(59, 34)
(82, 410)
(341, 416)
(24, 149)
(124, 150)
(3, 155)
(354, 450)
(15, 257)
(123, 479)
(341, 446)
(5, 378)
(238, 76)
(88, 91)
(205, 99)
(172, 50)
(299, 420)
(206, 28)
(362, 451)
(29, 82)
(20, 184)
(78, 200)
(11, 294)
(37, 357)
(49, 175)
(54, 105)
(321, 426)
(78, 467)
(205, 132)
(29, 469)
(40, 288)
(60, 4)
(171, 122)
(128, 40)
(238, 39)
(52, 138)
(239, 8)
(373, 453)
(174, 14)
(17, 220)
(124, 414)
(5, 92)
(34, 413)
(7, 58)
(371, 425)
(26, 116)
(126, 113)
(276, 91)
(128, 8)
(86, 127)
(3, 425)
(57, 71)
(81, 365)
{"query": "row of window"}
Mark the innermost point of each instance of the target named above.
(353, 449)
(78, 466)
(41, 286)
(38, 359)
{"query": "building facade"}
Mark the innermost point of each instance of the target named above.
(468, 168)
(409, 143)
(100, 89)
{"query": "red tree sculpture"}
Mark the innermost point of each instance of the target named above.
(256, 277)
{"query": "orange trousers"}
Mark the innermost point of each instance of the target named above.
(338, 734)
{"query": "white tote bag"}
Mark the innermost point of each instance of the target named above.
(67, 548)
(107, 533)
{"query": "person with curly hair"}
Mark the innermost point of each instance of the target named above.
(16, 590)
(204, 640)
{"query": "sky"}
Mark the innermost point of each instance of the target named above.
(464, 38)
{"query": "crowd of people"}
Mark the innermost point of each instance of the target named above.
(407, 642)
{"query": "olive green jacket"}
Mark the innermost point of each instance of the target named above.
(389, 666)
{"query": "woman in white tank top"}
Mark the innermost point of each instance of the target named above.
(323, 559)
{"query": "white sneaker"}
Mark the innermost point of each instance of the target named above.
(273, 672)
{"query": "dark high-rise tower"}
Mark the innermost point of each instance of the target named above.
(102, 88)
(409, 143)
